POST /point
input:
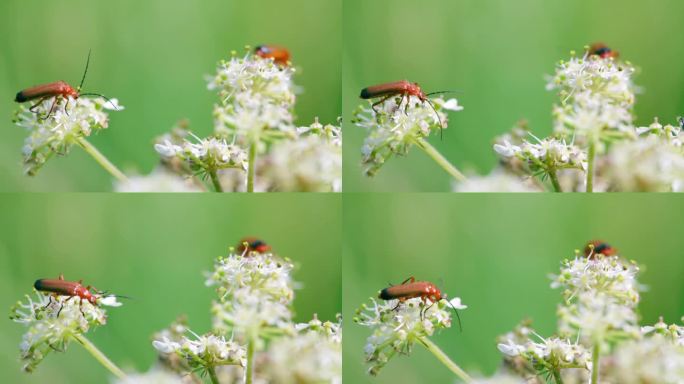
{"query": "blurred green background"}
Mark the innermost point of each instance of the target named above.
(153, 56)
(154, 248)
(495, 252)
(497, 52)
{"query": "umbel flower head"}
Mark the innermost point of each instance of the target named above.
(256, 98)
(53, 321)
(54, 133)
(207, 155)
(159, 180)
(654, 162)
(600, 296)
(394, 126)
(255, 292)
(526, 355)
(546, 156)
(654, 359)
(597, 98)
(312, 162)
(203, 352)
(312, 355)
(397, 326)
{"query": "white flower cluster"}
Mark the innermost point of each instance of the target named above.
(497, 181)
(312, 163)
(600, 298)
(256, 96)
(397, 326)
(547, 354)
(207, 155)
(673, 332)
(599, 313)
(394, 127)
(597, 97)
(546, 156)
(654, 162)
(255, 292)
(53, 133)
(204, 352)
(654, 359)
(596, 114)
(159, 180)
(255, 114)
(53, 321)
(313, 355)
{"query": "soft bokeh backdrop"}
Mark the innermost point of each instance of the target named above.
(496, 252)
(497, 52)
(152, 56)
(154, 248)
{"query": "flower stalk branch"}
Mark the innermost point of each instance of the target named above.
(251, 167)
(215, 181)
(440, 159)
(101, 159)
(595, 360)
(249, 370)
(99, 356)
(444, 359)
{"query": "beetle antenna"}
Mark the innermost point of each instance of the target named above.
(85, 72)
(441, 127)
(102, 96)
(441, 92)
(460, 327)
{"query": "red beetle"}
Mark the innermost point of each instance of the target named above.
(403, 88)
(253, 244)
(280, 55)
(61, 287)
(598, 247)
(603, 51)
(411, 289)
(56, 89)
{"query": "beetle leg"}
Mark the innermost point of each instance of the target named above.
(400, 300)
(48, 304)
(379, 102)
(55, 348)
(52, 108)
(34, 106)
(66, 105)
(80, 308)
(411, 279)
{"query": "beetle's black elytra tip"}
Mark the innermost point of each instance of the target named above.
(365, 94)
(384, 295)
(19, 98)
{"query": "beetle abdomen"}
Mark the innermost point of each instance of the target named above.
(20, 98)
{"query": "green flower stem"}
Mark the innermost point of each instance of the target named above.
(595, 363)
(251, 167)
(215, 181)
(99, 356)
(212, 375)
(101, 159)
(554, 181)
(557, 376)
(441, 356)
(250, 362)
(590, 167)
(441, 160)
